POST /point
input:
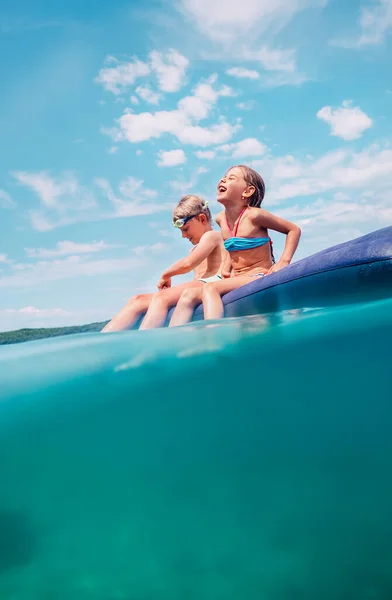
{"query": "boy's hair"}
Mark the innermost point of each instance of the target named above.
(253, 178)
(191, 205)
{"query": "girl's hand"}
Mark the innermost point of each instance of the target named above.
(226, 274)
(277, 266)
(164, 283)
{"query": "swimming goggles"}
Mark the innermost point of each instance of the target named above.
(179, 223)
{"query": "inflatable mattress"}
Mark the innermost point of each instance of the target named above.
(356, 271)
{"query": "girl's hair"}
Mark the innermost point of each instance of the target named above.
(191, 205)
(253, 178)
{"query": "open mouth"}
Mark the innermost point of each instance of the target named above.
(221, 188)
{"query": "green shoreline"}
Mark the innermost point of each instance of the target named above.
(28, 335)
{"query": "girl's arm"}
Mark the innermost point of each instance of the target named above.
(209, 241)
(226, 266)
(226, 263)
(292, 231)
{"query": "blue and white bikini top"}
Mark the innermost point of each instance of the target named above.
(238, 243)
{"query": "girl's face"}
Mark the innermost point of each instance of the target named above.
(233, 187)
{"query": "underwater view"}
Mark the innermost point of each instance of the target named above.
(248, 458)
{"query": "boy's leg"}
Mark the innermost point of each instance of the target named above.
(213, 292)
(130, 314)
(186, 305)
(162, 302)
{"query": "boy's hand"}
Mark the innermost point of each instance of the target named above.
(164, 283)
(277, 266)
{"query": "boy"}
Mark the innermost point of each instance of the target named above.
(193, 217)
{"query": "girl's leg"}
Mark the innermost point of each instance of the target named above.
(130, 314)
(162, 302)
(186, 305)
(213, 292)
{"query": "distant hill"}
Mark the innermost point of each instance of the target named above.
(27, 335)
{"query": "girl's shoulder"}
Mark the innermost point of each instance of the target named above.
(219, 216)
(257, 213)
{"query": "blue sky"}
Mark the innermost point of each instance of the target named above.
(110, 112)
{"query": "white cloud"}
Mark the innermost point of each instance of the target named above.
(171, 158)
(4, 258)
(206, 136)
(181, 122)
(286, 167)
(65, 201)
(168, 233)
(121, 75)
(37, 312)
(247, 31)
(348, 194)
(375, 22)
(243, 73)
(139, 203)
(246, 147)
(5, 200)
(351, 217)
(284, 78)
(32, 274)
(131, 187)
(228, 22)
(272, 59)
(246, 105)
(207, 154)
(41, 222)
(66, 247)
(339, 171)
(55, 194)
(42, 184)
(276, 66)
(183, 185)
(113, 149)
(346, 122)
(170, 69)
(156, 248)
(148, 95)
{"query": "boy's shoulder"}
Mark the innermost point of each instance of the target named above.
(211, 235)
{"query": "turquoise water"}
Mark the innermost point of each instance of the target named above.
(247, 459)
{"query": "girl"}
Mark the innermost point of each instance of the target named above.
(193, 217)
(244, 227)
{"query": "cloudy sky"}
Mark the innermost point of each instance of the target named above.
(111, 111)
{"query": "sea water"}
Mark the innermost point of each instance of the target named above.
(246, 459)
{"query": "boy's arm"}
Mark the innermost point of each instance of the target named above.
(209, 241)
(292, 231)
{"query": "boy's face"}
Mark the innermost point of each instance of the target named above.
(194, 229)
